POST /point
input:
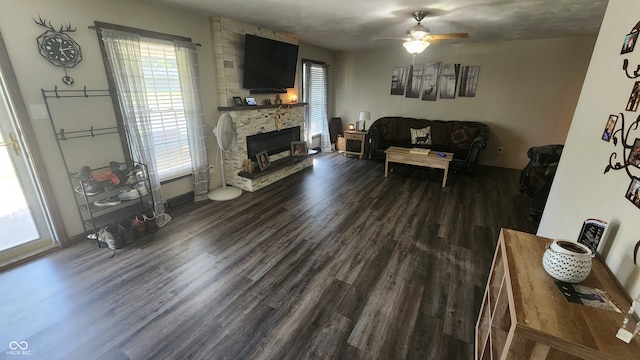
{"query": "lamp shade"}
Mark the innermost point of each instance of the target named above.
(415, 46)
(364, 116)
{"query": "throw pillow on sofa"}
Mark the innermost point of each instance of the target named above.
(462, 135)
(421, 136)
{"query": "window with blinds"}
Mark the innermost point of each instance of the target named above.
(315, 94)
(166, 109)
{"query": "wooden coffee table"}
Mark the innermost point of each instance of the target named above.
(405, 156)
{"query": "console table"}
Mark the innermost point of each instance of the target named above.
(524, 315)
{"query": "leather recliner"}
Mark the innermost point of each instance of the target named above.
(537, 176)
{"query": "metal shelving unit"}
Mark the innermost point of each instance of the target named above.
(94, 217)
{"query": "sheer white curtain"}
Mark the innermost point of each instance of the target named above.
(315, 87)
(190, 86)
(123, 52)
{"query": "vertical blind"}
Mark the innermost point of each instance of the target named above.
(166, 109)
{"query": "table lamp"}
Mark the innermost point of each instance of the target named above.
(364, 116)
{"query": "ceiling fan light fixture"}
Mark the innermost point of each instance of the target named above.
(419, 32)
(416, 46)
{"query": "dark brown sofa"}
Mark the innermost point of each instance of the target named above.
(465, 139)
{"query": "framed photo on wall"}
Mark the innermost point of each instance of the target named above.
(299, 148)
(632, 104)
(629, 42)
(263, 160)
(634, 155)
(633, 192)
(609, 127)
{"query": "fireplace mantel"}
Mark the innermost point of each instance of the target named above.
(257, 107)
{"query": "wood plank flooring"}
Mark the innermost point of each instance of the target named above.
(335, 262)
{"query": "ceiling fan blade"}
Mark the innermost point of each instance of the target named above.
(448, 36)
(391, 38)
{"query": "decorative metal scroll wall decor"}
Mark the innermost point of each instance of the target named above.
(623, 135)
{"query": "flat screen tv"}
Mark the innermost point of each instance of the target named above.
(269, 65)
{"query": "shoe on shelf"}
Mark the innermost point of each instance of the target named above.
(142, 189)
(84, 173)
(150, 221)
(108, 185)
(105, 175)
(128, 194)
(120, 170)
(110, 201)
(139, 228)
(90, 188)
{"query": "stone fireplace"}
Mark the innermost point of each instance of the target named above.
(259, 123)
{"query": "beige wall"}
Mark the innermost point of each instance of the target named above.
(581, 190)
(527, 90)
(34, 73)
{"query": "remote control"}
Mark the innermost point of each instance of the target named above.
(442, 155)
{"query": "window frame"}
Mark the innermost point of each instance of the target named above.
(304, 63)
(98, 26)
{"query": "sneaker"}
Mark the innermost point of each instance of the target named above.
(120, 170)
(111, 235)
(108, 185)
(128, 194)
(83, 174)
(142, 189)
(110, 201)
(90, 188)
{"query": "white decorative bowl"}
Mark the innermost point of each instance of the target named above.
(567, 261)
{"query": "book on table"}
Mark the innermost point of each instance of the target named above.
(416, 150)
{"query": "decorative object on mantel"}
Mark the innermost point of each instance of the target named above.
(225, 133)
(237, 101)
(278, 100)
(58, 47)
(267, 101)
(247, 166)
(250, 101)
(293, 99)
(567, 261)
(278, 116)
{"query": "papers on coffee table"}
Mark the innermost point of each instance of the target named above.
(419, 151)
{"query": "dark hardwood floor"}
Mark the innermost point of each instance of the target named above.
(335, 262)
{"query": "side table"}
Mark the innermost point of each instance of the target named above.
(355, 141)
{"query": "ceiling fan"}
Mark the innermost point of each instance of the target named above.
(419, 37)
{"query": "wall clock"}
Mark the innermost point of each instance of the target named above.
(58, 47)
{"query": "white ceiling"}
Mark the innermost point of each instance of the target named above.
(352, 24)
